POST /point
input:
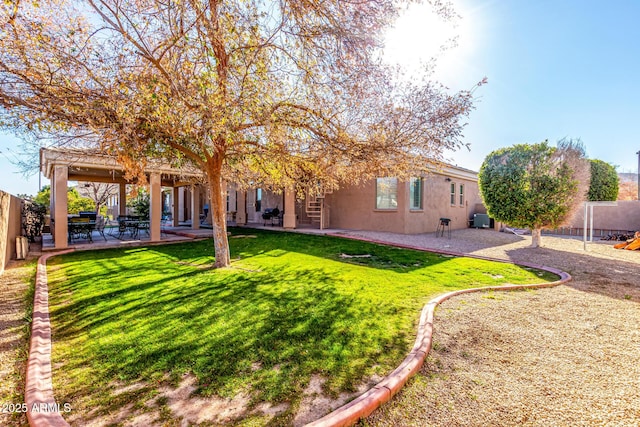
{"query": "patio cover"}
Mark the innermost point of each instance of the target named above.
(63, 165)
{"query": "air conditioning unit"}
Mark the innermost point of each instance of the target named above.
(481, 221)
(22, 247)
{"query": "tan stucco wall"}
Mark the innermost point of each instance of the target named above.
(624, 217)
(353, 207)
(10, 219)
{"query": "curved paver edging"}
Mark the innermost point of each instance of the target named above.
(42, 409)
(382, 392)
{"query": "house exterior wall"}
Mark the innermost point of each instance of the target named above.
(10, 227)
(354, 207)
(624, 217)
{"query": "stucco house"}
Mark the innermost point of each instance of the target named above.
(382, 204)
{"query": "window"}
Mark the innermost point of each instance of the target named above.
(415, 189)
(258, 199)
(453, 193)
(461, 194)
(386, 193)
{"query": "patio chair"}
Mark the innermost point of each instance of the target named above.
(80, 228)
(122, 226)
(165, 223)
(143, 226)
(101, 223)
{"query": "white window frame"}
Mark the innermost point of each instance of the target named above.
(452, 193)
(386, 194)
(461, 188)
(420, 185)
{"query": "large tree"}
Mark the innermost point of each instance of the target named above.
(604, 181)
(535, 186)
(270, 93)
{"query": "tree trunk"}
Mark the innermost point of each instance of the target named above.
(218, 213)
(536, 236)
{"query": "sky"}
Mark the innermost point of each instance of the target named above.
(555, 69)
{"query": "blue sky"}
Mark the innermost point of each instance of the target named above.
(563, 68)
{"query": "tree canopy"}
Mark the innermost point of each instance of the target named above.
(604, 184)
(534, 186)
(253, 92)
(75, 202)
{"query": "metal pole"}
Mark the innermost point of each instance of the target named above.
(584, 230)
(638, 153)
(591, 224)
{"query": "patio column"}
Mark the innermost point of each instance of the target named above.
(52, 205)
(122, 199)
(155, 206)
(289, 218)
(195, 207)
(181, 204)
(241, 214)
(60, 201)
(175, 213)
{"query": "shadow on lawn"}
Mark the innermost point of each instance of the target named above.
(262, 333)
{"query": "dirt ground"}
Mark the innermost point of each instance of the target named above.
(568, 355)
(14, 328)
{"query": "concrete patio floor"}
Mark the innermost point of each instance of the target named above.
(169, 235)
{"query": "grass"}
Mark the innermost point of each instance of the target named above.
(290, 307)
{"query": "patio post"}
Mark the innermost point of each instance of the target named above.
(175, 214)
(182, 204)
(289, 219)
(155, 211)
(60, 205)
(241, 214)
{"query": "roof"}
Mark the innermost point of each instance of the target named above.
(95, 166)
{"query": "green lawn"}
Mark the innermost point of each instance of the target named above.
(289, 307)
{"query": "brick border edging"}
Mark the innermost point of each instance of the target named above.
(382, 392)
(38, 392)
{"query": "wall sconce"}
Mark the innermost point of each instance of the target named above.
(447, 179)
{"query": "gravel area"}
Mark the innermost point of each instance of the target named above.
(14, 327)
(568, 355)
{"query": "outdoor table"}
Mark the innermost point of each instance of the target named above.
(78, 229)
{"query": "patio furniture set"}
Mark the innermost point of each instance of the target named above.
(132, 225)
(82, 226)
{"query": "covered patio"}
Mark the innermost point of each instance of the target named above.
(64, 165)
